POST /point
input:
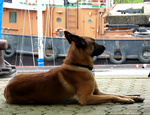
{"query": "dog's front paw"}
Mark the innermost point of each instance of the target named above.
(128, 101)
(139, 99)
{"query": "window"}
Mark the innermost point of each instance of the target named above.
(12, 17)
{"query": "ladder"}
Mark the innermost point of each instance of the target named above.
(72, 20)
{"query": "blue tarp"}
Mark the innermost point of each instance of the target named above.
(1, 15)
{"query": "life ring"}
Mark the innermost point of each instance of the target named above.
(57, 30)
(142, 30)
(140, 34)
(31, 2)
(10, 51)
(123, 56)
(141, 57)
(50, 53)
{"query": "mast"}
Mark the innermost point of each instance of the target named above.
(40, 34)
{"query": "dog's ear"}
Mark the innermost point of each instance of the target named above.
(67, 35)
(80, 42)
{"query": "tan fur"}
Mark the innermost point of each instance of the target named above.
(65, 82)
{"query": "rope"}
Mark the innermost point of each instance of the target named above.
(46, 30)
(53, 51)
(104, 42)
(19, 37)
(22, 44)
(31, 38)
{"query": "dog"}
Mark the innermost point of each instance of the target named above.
(72, 80)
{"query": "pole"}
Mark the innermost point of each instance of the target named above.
(1, 15)
(40, 34)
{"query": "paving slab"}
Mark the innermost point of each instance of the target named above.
(118, 85)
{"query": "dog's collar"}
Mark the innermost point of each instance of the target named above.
(85, 66)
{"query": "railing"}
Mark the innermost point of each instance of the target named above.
(8, 30)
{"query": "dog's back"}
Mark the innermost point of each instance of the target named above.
(45, 88)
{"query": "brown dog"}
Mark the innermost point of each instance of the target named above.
(74, 79)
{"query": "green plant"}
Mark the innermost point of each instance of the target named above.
(128, 1)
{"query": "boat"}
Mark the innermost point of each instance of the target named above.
(84, 18)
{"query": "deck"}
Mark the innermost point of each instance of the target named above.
(122, 79)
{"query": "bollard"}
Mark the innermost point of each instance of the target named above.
(3, 46)
(5, 70)
(2, 64)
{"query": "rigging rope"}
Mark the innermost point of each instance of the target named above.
(53, 45)
(50, 19)
(105, 55)
(19, 38)
(46, 29)
(31, 38)
(22, 44)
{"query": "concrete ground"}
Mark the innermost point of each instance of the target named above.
(109, 80)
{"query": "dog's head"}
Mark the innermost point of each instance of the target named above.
(86, 43)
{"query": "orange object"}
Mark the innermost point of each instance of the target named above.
(33, 3)
(57, 30)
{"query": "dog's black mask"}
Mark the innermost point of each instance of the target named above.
(98, 49)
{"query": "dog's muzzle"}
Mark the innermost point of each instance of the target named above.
(98, 49)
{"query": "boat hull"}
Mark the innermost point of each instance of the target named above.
(26, 46)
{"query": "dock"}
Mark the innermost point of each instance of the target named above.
(118, 79)
(137, 19)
